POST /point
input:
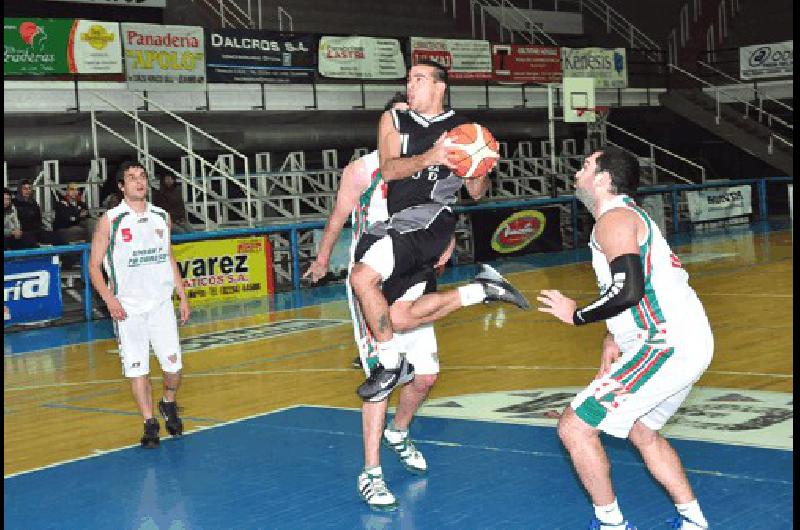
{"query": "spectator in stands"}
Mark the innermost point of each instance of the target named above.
(73, 222)
(30, 216)
(170, 198)
(12, 233)
(110, 195)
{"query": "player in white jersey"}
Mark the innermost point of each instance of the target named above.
(132, 243)
(413, 307)
(658, 345)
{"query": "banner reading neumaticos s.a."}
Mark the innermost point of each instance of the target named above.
(504, 232)
(225, 269)
(164, 57)
(464, 59)
(251, 56)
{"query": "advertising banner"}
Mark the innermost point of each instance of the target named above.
(719, 203)
(164, 57)
(608, 67)
(130, 3)
(504, 232)
(32, 290)
(520, 63)
(464, 59)
(41, 46)
(225, 269)
(766, 60)
(252, 56)
(361, 58)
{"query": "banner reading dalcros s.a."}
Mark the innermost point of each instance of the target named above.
(43, 46)
(608, 67)
(252, 56)
(505, 232)
(464, 59)
(164, 57)
(225, 269)
(361, 58)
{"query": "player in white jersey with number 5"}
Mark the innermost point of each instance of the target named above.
(658, 345)
(132, 243)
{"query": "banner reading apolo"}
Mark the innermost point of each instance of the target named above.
(503, 232)
(225, 269)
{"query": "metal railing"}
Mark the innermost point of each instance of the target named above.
(620, 25)
(510, 18)
(759, 96)
(653, 148)
(282, 13)
(293, 229)
(231, 15)
(770, 118)
(142, 148)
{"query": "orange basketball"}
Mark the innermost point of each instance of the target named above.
(473, 150)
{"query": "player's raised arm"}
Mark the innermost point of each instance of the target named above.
(350, 188)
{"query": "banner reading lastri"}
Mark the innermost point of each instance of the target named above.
(523, 63)
(505, 232)
(252, 56)
(464, 59)
(361, 58)
(45, 46)
(164, 57)
(225, 269)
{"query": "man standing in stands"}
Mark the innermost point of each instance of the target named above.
(170, 198)
(658, 345)
(421, 189)
(132, 242)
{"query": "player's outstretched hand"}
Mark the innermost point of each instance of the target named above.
(558, 305)
(184, 310)
(315, 272)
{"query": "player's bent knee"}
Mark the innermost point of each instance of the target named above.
(400, 317)
(363, 276)
(571, 427)
(424, 382)
(641, 435)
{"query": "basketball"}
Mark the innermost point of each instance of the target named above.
(474, 150)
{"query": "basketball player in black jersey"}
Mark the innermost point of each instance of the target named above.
(415, 163)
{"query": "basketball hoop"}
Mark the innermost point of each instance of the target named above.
(600, 112)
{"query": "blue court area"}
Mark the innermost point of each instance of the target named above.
(297, 468)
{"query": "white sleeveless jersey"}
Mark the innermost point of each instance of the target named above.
(669, 304)
(372, 205)
(137, 260)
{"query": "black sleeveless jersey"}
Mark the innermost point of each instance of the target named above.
(434, 184)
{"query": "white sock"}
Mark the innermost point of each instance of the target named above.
(471, 294)
(388, 355)
(692, 511)
(609, 514)
(373, 470)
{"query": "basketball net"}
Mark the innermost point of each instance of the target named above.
(600, 113)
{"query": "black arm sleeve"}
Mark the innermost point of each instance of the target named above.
(625, 291)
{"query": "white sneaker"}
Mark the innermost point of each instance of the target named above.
(400, 443)
(373, 490)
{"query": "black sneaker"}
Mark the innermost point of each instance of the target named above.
(169, 411)
(498, 289)
(357, 362)
(382, 381)
(150, 438)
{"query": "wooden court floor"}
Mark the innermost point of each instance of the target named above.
(72, 401)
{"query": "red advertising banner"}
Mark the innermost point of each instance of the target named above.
(464, 59)
(523, 63)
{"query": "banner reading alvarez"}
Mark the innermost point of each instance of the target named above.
(503, 232)
(225, 269)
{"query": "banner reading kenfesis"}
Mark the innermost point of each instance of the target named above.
(164, 57)
(45, 46)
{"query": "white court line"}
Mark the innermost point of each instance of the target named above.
(98, 452)
(348, 369)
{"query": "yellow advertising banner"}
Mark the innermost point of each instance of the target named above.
(225, 269)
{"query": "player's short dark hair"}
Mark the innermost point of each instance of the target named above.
(24, 182)
(125, 166)
(439, 68)
(399, 97)
(623, 168)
